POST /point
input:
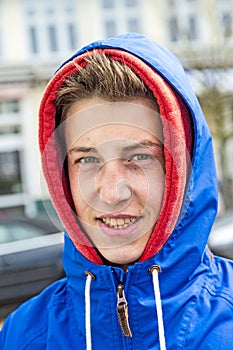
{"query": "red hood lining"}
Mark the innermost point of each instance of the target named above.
(174, 115)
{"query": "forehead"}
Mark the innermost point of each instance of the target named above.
(91, 121)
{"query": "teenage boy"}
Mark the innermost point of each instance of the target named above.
(129, 163)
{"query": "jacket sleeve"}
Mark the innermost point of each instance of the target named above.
(16, 335)
(4, 335)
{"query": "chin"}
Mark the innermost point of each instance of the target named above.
(126, 257)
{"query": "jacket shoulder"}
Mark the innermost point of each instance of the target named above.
(27, 326)
(224, 271)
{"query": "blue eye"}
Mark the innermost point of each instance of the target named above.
(139, 157)
(88, 159)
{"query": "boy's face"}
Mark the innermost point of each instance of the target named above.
(116, 173)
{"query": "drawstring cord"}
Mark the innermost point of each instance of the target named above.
(90, 277)
(155, 270)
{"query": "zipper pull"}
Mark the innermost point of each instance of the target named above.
(122, 311)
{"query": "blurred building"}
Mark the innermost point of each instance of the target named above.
(37, 35)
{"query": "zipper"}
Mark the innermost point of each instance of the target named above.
(122, 311)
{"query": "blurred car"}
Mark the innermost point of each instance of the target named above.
(221, 238)
(30, 259)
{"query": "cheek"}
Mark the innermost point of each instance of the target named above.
(155, 188)
(75, 190)
(151, 184)
(84, 194)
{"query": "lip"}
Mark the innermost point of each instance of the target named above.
(115, 216)
(121, 232)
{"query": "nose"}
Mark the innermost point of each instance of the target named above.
(112, 184)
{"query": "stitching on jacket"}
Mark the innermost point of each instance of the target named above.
(186, 330)
(219, 294)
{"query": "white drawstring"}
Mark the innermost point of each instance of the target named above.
(90, 277)
(155, 270)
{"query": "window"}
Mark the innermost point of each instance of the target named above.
(134, 25)
(110, 28)
(121, 16)
(108, 4)
(173, 29)
(18, 230)
(51, 26)
(71, 33)
(10, 174)
(9, 106)
(33, 39)
(52, 37)
(10, 129)
(227, 24)
(192, 28)
(50, 8)
(10, 117)
(131, 3)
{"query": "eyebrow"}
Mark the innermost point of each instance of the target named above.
(82, 149)
(135, 146)
(145, 144)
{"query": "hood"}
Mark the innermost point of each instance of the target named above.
(190, 200)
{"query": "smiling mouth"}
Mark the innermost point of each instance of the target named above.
(118, 223)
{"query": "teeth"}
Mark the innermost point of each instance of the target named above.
(118, 222)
